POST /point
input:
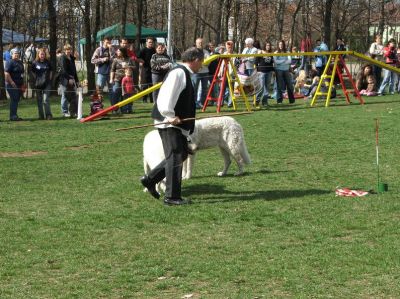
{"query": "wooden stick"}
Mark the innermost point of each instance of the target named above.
(183, 120)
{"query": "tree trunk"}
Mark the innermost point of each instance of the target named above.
(124, 7)
(97, 23)
(327, 22)
(256, 17)
(280, 18)
(2, 84)
(293, 27)
(139, 11)
(88, 47)
(53, 32)
(381, 25)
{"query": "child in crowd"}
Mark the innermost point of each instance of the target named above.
(96, 103)
(128, 90)
(371, 88)
(300, 87)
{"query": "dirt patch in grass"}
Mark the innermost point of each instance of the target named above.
(78, 147)
(21, 154)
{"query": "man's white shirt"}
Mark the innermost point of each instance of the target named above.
(168, 96)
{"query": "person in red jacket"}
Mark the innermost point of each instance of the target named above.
(128, 90)
(390, 56)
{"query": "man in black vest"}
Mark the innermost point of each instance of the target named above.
(176, 101)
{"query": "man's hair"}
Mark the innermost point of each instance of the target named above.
(67, 47)
(106, 38)
(192, 54)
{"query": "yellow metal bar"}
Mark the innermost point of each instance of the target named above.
(242, 93)
(321, 80)
(328, 98)
(138, 95)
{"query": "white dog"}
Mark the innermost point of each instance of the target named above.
(224, 132)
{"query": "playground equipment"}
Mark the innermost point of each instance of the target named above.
(226, 76)
(224, 64)
(339, 66)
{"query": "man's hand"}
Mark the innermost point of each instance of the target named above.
(175, 120)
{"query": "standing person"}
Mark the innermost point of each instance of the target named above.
(69, 80)
(43, 75)
(7, 53)
(128, 90)
(249, 61)
(305, 46)
(201, 77)
(176, 101)
(145, 57)
(120, 62)
(29, 58)
(14, 79)
(265, 66)
(376, 52)
(132, 55)
(390, 55)
(229, 49)
(320, 60)
(58, 82)
(102, 60)
(283, 75)
(160, 65)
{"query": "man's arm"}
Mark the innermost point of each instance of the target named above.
(169, 93)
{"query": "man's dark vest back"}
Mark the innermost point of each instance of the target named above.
(185, 106)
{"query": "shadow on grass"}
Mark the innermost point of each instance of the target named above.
(214, 193)
(246, 173)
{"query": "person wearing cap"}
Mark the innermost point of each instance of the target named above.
(14, 78)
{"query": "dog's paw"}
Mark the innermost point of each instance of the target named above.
(221, 173)
(239, 173)
(145, 190)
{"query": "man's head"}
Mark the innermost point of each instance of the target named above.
(194, 58)
(199, 43)
(124, 42)
(149, 43)
(106, 42)
(15, 53)
(67, 49)
(249, 42)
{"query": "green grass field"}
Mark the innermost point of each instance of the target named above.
(75, 223)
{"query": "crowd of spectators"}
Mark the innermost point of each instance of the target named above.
(120, 72)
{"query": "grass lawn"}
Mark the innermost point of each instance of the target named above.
(75, 223)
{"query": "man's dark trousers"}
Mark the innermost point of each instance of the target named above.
(176, 151)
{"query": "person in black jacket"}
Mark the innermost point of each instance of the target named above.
(69, 79)
(176, 102)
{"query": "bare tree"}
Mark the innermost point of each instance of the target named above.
(52, 16)
(2, 83)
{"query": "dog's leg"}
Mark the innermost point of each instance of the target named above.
(147, 169)
(188, 167)
(227, 161)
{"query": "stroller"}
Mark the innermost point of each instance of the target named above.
(96, 103)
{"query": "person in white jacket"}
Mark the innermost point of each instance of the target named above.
(376, 52)
(249, 61)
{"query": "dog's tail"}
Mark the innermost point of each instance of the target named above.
(244, 152)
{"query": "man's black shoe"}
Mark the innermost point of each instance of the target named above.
(150, 187)
(176, 201)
